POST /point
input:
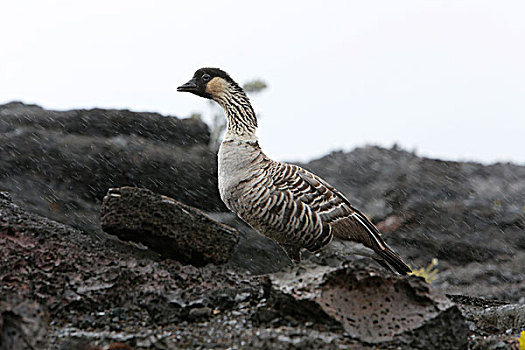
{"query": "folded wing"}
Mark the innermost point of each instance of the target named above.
(336, 214)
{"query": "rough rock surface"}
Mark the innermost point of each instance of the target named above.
(468, 215)
(105, 123)
(493, 322)
(23, 324)
(104, 290)
(371, 307)
(60, 164)
(172, 229)
(256, 254)
(101, 291)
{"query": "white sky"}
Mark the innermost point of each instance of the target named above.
(446, 78)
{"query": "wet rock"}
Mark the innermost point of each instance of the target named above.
(427, 204)
(256, 253)
(60, 164)
(494, 324)
(500, 279)
(99, 290)
(105, 123)
(14, 219)
(23, 324)
(200, 313)
(502, 318)
(370, 306)
(383, 181)
(491, 316)
(69, 174)
(174, 230)
(468, 215)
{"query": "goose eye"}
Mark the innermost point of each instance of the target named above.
(206, 77)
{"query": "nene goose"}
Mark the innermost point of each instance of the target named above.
(286, 203)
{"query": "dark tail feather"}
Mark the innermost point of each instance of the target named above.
(380, 247)
(384, 264)
(394, 260)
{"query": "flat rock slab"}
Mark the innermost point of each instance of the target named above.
(370, 307)
(174, 230)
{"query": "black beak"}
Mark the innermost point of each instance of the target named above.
(190, 86)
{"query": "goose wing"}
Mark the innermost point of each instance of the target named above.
(335, 212)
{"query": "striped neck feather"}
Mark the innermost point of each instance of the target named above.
(241, 122)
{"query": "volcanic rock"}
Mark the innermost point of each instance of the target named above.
(174, 230)
(23, 324)
(100, 291)
(369, 306)
(106, 123)
(496, 324)
(104, 291)
(60, 164)
(468, 215)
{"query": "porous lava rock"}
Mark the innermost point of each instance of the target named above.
(172, 229)
(100, 292)
(23, 324)
(370, 306)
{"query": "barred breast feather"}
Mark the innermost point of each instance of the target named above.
(292, 206)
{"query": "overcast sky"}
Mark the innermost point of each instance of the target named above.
(444, 78)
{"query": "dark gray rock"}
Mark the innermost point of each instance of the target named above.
(501, 278)
(60, 164)
(23, 324)
(468, 215)
(495, 324)
(491, 316)
(256, 253)
(106, 123)
(100, 291)
(465, 209)
(106, 291)
(501, 318)
(174, 230)
(96, 287)
(385, 181)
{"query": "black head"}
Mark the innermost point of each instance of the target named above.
(207, 82)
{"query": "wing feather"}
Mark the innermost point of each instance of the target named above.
(335, 210)
(299, 209)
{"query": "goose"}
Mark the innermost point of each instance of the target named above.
(284, 202)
